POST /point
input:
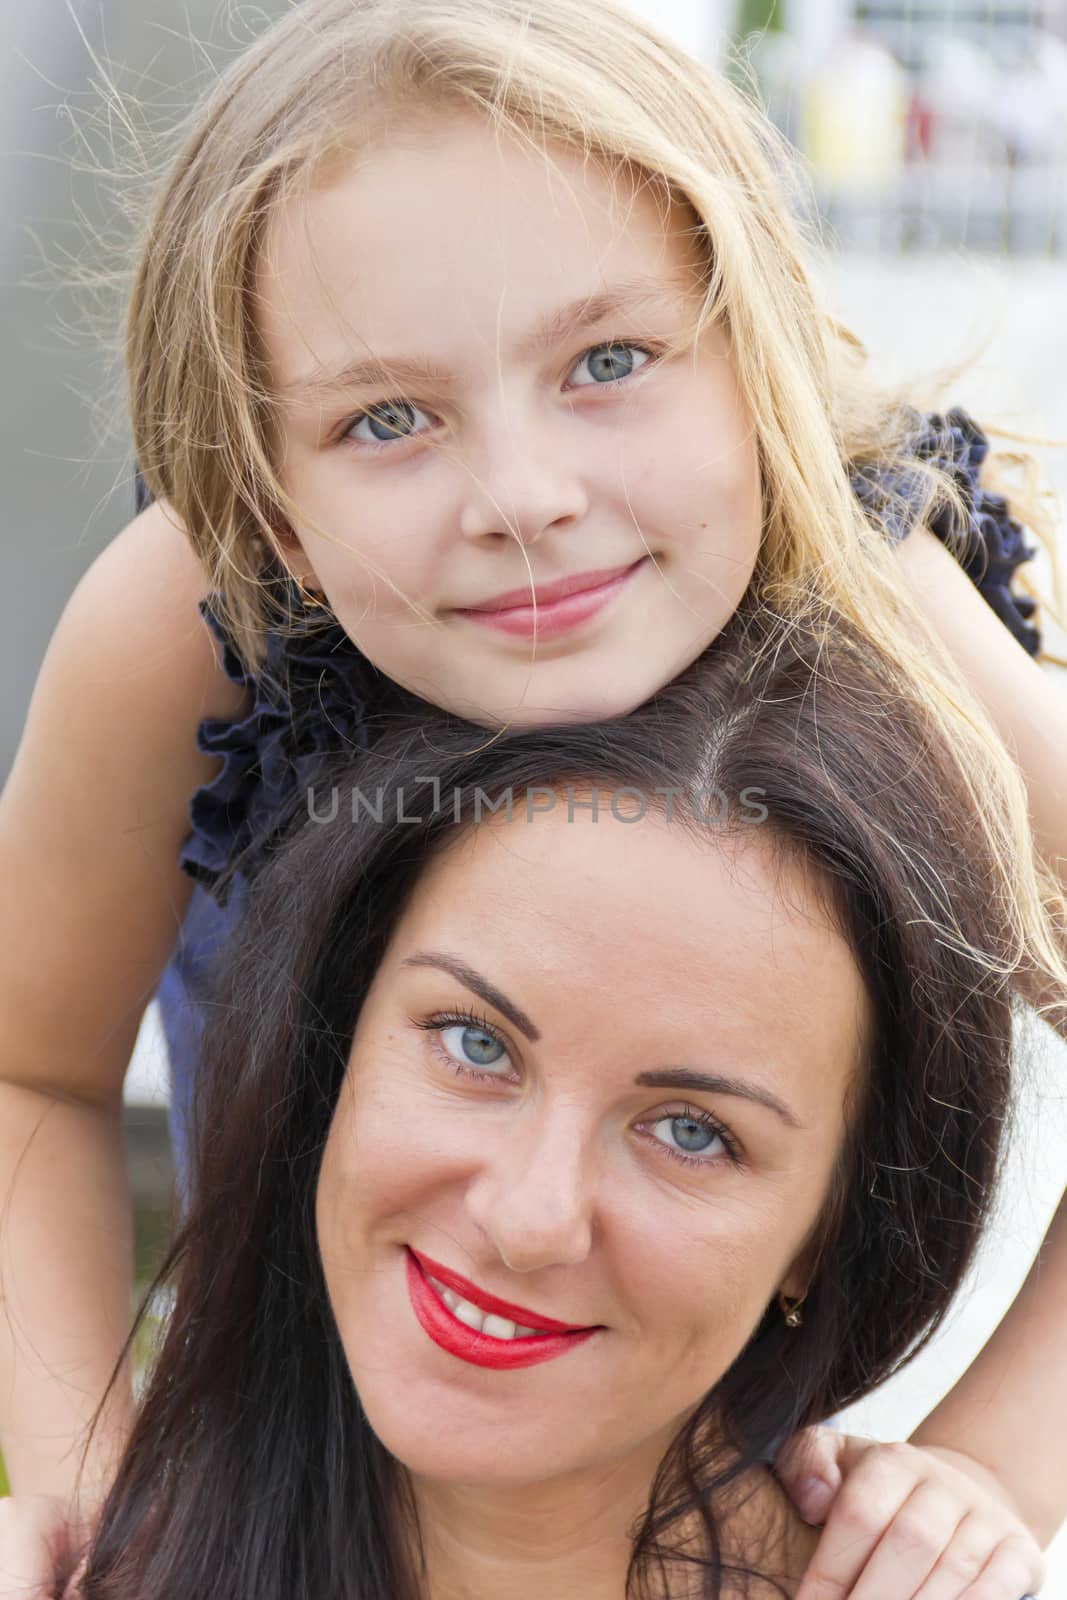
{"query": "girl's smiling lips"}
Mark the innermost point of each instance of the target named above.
(489, 1302)
(552, 607)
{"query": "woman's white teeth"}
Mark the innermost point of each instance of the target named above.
(484, 1321)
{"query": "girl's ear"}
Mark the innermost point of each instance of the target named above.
(289, 551)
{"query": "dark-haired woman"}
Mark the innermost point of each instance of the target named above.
(600, 1105)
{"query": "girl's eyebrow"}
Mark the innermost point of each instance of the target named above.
(660, 1078)
(568, 319)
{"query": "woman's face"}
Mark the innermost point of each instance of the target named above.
(573, 962)
(501, 456)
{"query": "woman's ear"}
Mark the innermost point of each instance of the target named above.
(797, 1280)
(795, 1284)
(793, 1289)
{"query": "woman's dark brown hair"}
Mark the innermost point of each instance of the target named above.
(252, 1473)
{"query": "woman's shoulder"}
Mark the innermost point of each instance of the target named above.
(761, 1534)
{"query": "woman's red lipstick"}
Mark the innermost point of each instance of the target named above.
(469, 1344)
(559, 606)
(489, 1302)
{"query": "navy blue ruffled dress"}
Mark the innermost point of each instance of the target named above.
(315, 694)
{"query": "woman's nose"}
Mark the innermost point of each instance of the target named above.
(535, 1199)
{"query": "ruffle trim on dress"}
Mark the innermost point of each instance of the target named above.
(307, 705)
(988, 543)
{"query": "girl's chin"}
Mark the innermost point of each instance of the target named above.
(574, 691)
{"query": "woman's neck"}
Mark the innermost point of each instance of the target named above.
(586, 1556)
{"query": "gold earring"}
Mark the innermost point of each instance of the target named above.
(790, 1307)
(312, 598)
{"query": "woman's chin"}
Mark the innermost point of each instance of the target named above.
(473, 1458)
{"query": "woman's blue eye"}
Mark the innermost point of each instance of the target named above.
(694, 1137)
(699, 1139)
(396, 418)
(472, 1045)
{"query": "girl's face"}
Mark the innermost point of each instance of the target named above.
(600, 1074)
(536, 433)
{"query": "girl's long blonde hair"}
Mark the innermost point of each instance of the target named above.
(590, 76)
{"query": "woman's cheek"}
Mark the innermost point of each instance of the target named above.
(403, 1131)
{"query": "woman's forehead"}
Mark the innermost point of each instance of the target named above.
(647, 930)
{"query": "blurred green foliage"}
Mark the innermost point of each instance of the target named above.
(759, 16)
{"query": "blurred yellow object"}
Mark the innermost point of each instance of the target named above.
(854, 116)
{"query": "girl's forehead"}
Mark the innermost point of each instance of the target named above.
(353, 249)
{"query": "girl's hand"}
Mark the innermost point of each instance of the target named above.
(36, 1542)
(72, 1591)
(917, 1523)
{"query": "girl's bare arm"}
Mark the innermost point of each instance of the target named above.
(91, 821)
(1026, 704)
(1009, 1411)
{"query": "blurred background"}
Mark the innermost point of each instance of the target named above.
(934, 134)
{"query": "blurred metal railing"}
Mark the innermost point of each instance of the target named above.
(927, 124)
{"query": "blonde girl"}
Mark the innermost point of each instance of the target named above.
(474, 364)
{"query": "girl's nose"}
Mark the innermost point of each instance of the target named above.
(520, 490)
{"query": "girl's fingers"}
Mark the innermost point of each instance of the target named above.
(909, 1549)
(902, 1524)
(807, 1468)
(72, 1591)
(1015, 1566)
(869, 1500)
(964, 1566)
(33, 1538)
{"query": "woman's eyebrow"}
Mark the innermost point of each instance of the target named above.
(657, 1078)
(569, 319)
(478, 985)
(717, 1083)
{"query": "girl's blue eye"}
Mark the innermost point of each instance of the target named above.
(396, 417)
(392, 415)
(616, 356)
